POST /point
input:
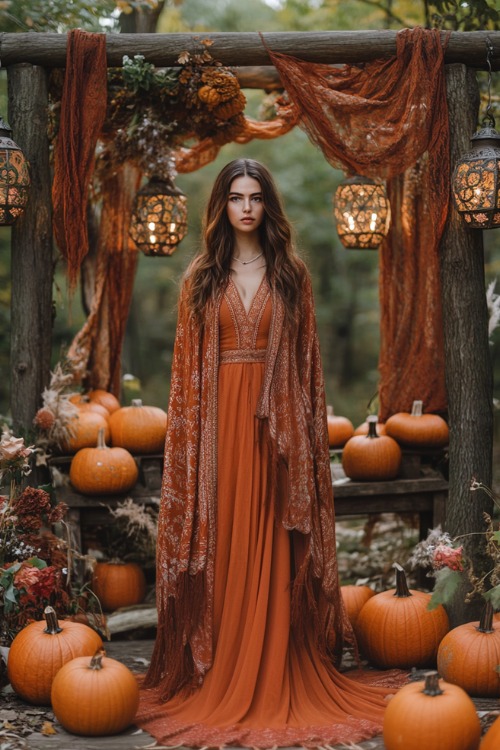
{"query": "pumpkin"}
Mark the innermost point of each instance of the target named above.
(354, 598)
(491, 740)
(340, 429)
(95, 407)
(396, 629)
(102, 470)
(363, 428)
(469, 654)
(41, 648)
(417, 430)
(138, 428)
(95, 697)
(431, 714)
(105, 398)
(84, 429)
(118, 584)
(371, 457)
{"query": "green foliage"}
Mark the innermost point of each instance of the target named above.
(448, 582)
(56, 15)
(464, 16)
(493, 595)
(140, 74)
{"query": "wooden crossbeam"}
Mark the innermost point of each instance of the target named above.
(247, 48)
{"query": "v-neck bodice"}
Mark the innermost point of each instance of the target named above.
(242, 333)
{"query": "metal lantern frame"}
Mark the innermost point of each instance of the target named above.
(14, 177)
(159, 218)
(363, 213)
(475, 179)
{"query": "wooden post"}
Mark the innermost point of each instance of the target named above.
(31, 248)
(468, 367)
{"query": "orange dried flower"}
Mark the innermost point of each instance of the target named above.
(44, 419)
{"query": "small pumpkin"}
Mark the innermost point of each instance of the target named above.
(41, 648)
(118, 584)
(84, 429)
(396, 629)
(139, 429)
(431, 714)
(105, 398)
(340, 429)
(371, 457)
(491, 740)
(95, 696)
(355, 597)
(418, 430)
(95, 407)
(102, 470)
(469, 654)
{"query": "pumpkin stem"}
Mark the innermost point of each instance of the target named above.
(329, 410)
(416, 409)
(431, 684)
(96, 661)
(101, 443)
(402, 589)
(372, 426)
(51, 620)
(486, 621)
(136, 402)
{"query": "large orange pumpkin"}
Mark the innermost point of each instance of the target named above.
(469, 654)
(371, 457)
(431, 715)
(491, 739)
(138, 428)
(95, 697)
(102, 470)
(418, 430)
(95, 407)
(396, 629)
(340, 429)
(118, 584)
(355, 597)
(84, 430)
(40, 649)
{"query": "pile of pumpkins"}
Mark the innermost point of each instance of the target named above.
(97, 469)
(63, 664)
(396, 629)
(372, 452)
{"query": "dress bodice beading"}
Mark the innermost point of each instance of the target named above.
(243, 335)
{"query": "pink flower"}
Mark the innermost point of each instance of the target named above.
(26, 577)
(447, 557)
(12, 448)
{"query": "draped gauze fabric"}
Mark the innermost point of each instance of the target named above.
(82, 114)
(95, 351)
(291, 411)
(378, 119)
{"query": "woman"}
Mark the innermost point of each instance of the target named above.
(250, 614)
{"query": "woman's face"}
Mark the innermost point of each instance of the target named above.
(245, 207)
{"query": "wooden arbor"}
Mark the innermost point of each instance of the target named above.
(469, 375)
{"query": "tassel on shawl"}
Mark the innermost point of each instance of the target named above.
(172, 664)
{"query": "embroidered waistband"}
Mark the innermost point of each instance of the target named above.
(232, 356)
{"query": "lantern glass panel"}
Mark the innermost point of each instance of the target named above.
(14, 184)
(363, 214)
(476, 192)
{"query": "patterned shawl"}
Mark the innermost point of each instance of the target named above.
(293, 413)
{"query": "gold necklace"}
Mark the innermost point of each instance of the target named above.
(246, 262)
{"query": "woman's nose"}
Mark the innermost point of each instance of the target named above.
(246, 205)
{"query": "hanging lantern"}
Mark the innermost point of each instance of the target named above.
(14, 177)
(362, 212)
(159, 217)
(475, 181)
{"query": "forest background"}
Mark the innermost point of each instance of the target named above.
(345, 282)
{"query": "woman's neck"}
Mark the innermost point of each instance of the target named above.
(246, 247)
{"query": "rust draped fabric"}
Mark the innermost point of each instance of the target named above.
(378, 120)
(250, 617)
(83, 109)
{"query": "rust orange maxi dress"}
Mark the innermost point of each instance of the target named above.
(264, 688)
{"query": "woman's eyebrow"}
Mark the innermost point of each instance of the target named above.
(251, 194)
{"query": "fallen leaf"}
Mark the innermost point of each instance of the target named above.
(48, 728)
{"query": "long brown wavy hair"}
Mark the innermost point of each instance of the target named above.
(209, 271)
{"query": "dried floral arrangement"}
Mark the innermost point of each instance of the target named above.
(151, 111)
(36, 564)
(132, 535)
(55, 419)
(444, 559)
